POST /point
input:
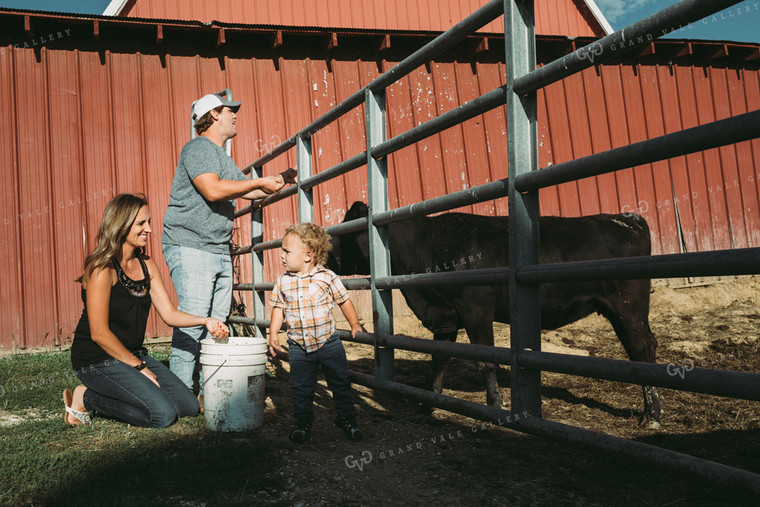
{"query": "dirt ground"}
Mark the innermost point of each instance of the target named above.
(408, 458)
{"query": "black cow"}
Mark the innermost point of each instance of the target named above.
(459, 241)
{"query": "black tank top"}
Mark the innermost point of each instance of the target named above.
(127, 318)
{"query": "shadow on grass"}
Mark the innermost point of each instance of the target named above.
(159, 467)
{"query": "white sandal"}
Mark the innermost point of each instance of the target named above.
(84, 418)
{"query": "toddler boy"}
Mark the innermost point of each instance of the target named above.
(304, 297)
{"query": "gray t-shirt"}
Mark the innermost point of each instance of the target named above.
(191, 220)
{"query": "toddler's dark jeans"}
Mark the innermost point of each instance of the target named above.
(303, 377)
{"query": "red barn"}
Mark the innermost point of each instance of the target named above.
(97, 105)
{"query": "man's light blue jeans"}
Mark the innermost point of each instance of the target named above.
(203, 282)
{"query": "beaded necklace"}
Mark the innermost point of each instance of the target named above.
(138, 288)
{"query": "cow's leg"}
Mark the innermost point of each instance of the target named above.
(440, 317)
(481, 333)
(441, 361)
(652, 409)
(629, 317)
(439, 367)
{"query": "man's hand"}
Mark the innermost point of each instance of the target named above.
(271, 184)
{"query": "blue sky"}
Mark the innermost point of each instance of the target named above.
(740, 23)
(80, 6)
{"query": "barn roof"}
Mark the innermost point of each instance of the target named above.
(570, 18)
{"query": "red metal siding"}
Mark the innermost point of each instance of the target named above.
(553, 17)
(34, 195)
(12, 318)
(748, 157)
(84, 125)
(64, 179)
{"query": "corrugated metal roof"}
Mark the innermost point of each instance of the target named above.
(83, 124)
(553, 17)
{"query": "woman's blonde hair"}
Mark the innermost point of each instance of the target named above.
(315, 238)
(118, 216)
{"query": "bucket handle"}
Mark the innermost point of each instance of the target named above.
(215, 371)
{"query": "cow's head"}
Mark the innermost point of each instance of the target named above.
(350, 252)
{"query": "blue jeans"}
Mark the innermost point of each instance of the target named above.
(117, 390)
(303, 377)
(203, 282)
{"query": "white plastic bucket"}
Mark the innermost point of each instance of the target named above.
(233, 376)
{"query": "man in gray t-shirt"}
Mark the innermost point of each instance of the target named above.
(198, 224)
(192, 220)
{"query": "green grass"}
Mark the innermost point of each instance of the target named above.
(46, 462)
(33, 382)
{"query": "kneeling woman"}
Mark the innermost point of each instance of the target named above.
(119, 283)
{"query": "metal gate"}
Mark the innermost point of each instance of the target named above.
(525, 273)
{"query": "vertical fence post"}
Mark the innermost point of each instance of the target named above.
(524, 301)
(380, 260)
(257, 260)
(304, 163)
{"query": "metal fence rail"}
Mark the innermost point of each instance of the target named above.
(733, 384)
(471, 109)
(525, 273)
(742, 261)
(629, 38)
(719, 133)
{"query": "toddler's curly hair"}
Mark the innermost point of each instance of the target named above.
(315, 238)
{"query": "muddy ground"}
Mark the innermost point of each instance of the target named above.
(408, 458)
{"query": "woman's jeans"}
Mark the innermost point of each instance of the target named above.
(117, 390)
(303, 377)
(203, 282)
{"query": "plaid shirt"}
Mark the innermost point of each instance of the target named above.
(307, 302)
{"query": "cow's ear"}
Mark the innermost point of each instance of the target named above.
(357, 210)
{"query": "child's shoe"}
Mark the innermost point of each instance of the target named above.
(301, 433)
(349, 427)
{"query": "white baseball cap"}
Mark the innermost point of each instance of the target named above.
(208, 102)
